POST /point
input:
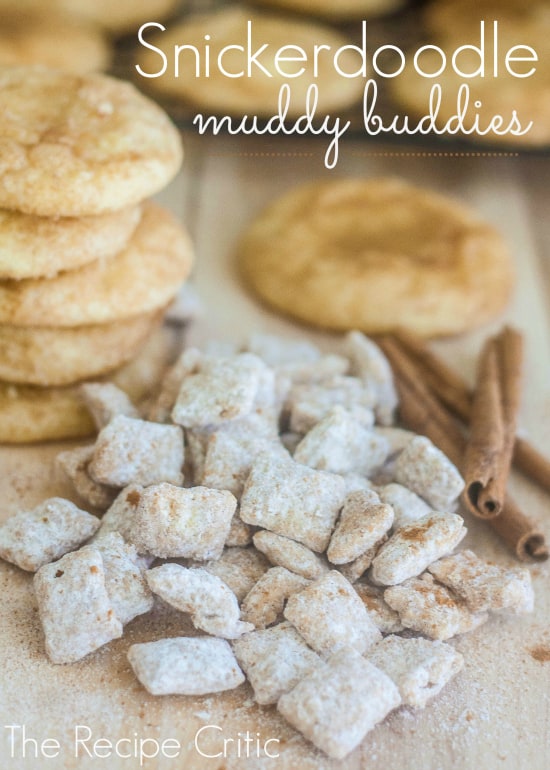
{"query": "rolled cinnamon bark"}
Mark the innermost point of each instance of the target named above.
(419, 409)
(449, 387)
(486, 443)
(532, 462)
(507, 350)
(520, 532)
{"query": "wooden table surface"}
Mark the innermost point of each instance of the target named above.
(496, 713)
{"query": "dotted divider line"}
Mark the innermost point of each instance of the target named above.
(366, 154)
(437, 154)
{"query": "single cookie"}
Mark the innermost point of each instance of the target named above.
(487, 97)
(35, 247)
(54, 41)
(258, 94)
(143, 277)
(60, 356)
(520, 22)
(336, 11)
(375, 254)
(29, 414)
(120, 17)
(80, 145)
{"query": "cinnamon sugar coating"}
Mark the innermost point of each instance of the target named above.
(264, 603)
(431, 609)
(415, 546)
(485, 586)
(80, 145)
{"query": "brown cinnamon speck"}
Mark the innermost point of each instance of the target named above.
(540, 653)
(133, 497)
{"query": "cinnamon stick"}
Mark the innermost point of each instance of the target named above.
(419, 409)
(486, 444)
(417, 413)
(508, 347)
(455, 394)
(520, 532)
(446, 384)
(532, 462)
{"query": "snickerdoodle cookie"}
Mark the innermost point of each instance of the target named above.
(29, 414)
(257, 94)
(521, 105)
(143, 277)
(120, 17)
(80, 145)
(520, 22)
(54, 41)
(34, 247)
(329, 9)
(61, 356)
(375, 254)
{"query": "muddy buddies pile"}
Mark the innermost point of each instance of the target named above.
(268, 494)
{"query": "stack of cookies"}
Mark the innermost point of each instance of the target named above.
(87, 265)
(520, 99)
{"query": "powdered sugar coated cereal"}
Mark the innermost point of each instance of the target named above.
(283, 552)
(339, 444)
(188, 363)
(415, 546)
(129, 451)
(309, 404)
(385, 619)
(371, 365)
(424, 469)
(76, 612)
(279, 351)
(185, 666)
(119, 516)
(210, 602)
(362, 524)
(485, 586)
(356, 569)
(105, 401)
(329, 614)
(265, 602)
(292, 500)
(124, 579)
(74, 464)
(223, 389)
(431, 609)
(339, 702)
(189, 523)
(274, 661)
(420, 668)
(407, 506)
(239, 568)
(31, 539)
(230, 454)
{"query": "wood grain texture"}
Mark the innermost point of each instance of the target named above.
(496, 713)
